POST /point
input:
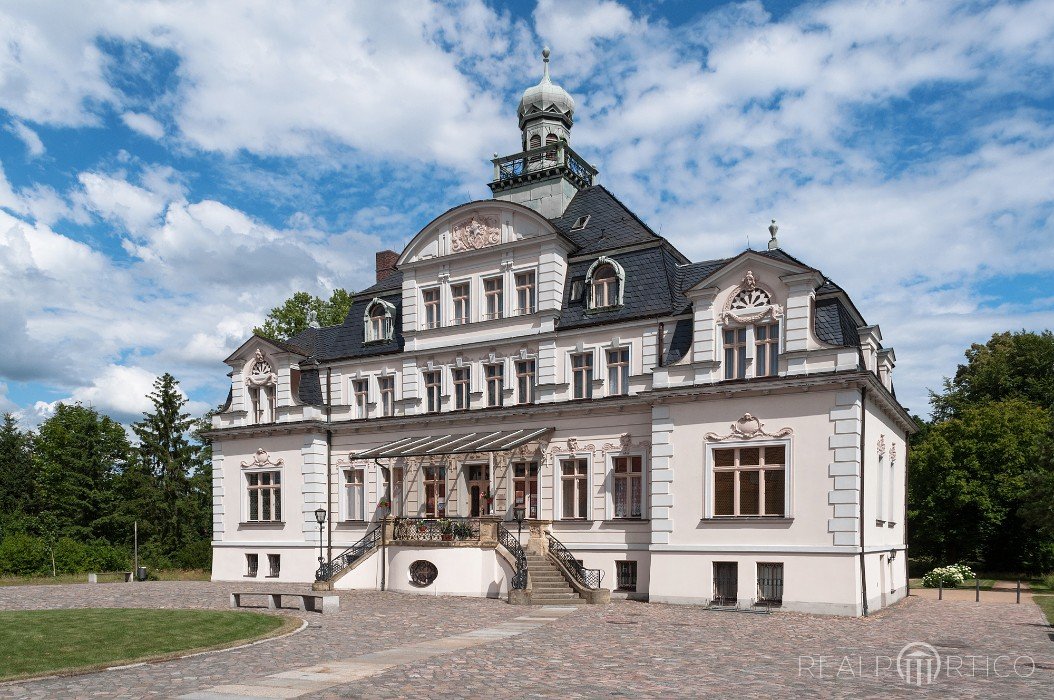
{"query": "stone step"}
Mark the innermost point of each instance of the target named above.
(557, 601)
(551, 586)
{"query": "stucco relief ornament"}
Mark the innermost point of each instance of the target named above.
(262, 459)
(572, 444)
(746, 428)
(475, 233)
(893, 454)
(881, 445)
(261, 374)
(748, 303)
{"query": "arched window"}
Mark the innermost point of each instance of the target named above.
(534, 142)
(379, 320)
(605, 280)
(261, 382)
(549, 141)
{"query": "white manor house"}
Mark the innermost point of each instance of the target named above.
(543, 400)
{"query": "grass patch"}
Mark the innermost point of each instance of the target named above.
(37, 642)
(986, 584)
(107, 577)
(1046, 604)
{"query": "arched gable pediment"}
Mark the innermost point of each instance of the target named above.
(475, 226)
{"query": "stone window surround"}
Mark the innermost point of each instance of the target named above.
(271, 468)
(609, 485)
(558, 491)
(708, 479)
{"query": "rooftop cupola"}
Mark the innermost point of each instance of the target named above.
(546, 174)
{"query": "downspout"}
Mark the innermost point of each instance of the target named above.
(329, 469)
(661, 339)
(907, 453)
(384, 530)
(863, 429)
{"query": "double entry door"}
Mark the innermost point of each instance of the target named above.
(477, 478)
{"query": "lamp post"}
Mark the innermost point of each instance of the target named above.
(320, 517)
(518, 512)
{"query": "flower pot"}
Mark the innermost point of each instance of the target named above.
(447, 538)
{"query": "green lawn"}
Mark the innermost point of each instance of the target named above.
(39, 642)
(1046, 604)
(111, 577)
(986, 584)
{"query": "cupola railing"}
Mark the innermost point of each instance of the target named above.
(550, 159)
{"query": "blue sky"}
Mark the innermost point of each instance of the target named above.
(170, 171)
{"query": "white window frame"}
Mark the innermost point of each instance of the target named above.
(645, 500)
(456, 320)
(621, 387)
(431, 311)
(346, 511)
(739, 371)
(531, 290)
(558, 486)
(458, 386)
(500, 394)
(385, 333)
(772, 349)
(587, 386)
(246, 497)
(511, 489)
(708, 477)
(485, 313)
(433, 391)
(620, 281)
(362, 409)
(532, 382)
(381, 393)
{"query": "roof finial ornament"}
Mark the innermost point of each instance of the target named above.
(545, 63)
(773, 228)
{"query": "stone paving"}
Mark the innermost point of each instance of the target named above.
(623, 649)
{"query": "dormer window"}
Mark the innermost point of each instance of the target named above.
(580, 223)
(262, 383)
(605, 282)
(379, 321)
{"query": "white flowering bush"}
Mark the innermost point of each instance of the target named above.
(951, 576)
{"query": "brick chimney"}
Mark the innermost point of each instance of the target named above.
(386, 260)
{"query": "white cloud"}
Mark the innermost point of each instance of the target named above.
(143, 124)
(34, 146)
(118, 200)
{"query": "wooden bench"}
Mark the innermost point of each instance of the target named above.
(94, 578)
(310, 602)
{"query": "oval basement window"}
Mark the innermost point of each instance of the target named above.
(423, 573)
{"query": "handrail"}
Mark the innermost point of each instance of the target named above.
(542, 157)
(589, 578)
(350, 555)
(435, 529)
(512, 544)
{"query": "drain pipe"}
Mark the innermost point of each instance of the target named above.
(863, 565)
(384, 540)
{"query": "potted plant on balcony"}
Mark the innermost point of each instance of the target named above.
(384, 505)
(462, 531)
(446, 529)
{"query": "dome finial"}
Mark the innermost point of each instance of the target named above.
(545, 63)
(773, 228)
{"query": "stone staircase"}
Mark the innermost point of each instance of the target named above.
(548, 585)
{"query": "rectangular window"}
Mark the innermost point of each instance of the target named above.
(494, 297)
(525, 487)
(355, 494)
(263, 404)
(386, 385)
(770, 584)
(433, 391)
(582, 375)
(525, 381)
(461, 388)
(265, 496)
(460, 297)
(525, 303)
(618, 371)
(628, 493)
(361, 389)
(767, 350)
(626, 576)
(726, 582)
(735, 353)
(252, 564)
(274, 565)
(574, 489)
(435, 492)
(750, 481)
(432, 307)
(495, 384)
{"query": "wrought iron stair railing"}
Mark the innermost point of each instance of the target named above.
(370, 541)
(589, 578)
(509, 541)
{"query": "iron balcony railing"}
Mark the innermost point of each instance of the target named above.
(436, 529)
(507, 540)
(540, 159)
(349, 556)
(589, 578)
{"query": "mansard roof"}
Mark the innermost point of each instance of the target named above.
(611, 224)
(348, 339)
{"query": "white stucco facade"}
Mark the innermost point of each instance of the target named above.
(737, 437)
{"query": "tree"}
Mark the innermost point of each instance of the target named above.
(165, 453)
(291, 317)
(969, 477)
(77, 455)
(1010, 365)
(17, 477)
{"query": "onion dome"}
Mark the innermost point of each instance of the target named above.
(546, 98)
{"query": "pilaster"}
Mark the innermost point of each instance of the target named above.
(844, 496)
(661, 475)
(313, 459)
(218, 508)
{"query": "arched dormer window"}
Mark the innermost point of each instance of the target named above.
(379, 321)
(261, 382)
(606, 281)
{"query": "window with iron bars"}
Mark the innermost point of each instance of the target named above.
(274, 563)
(252, 564)
(626, 575)
(770, 584)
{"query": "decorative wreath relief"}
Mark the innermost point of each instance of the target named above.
(261, 374)
(475, 233)
(423, 573)
(746, 428)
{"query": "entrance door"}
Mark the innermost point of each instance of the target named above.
(726, 582)
(479, 489)
(525, 487)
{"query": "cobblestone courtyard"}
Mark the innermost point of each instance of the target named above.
(623, 649)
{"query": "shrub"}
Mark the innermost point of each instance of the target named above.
(194, 555)
(951, 576)
(23, 555)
